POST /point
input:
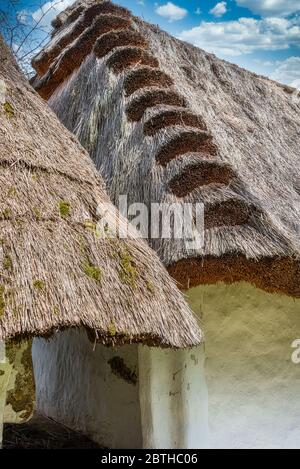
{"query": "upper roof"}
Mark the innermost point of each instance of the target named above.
(58, 267)
(184, 126)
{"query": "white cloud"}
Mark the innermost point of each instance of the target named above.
(245, 35)
(288, 71)
(49, 11)
(171, 12)
(219, 10)
(271, 7)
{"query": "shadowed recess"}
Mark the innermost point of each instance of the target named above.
(136, 109)
(41, 432)
(228, 213)
(145, 77)
(75, 55)
(272, 274)
(186, 142)
(126, 57)
(200, 174)
(128, 37)
(173, 117)
(106, 21)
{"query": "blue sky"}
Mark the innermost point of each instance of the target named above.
(261, 35)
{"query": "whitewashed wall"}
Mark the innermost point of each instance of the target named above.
(165, 408)
(76, 386)
(173, 394)
(253, 386)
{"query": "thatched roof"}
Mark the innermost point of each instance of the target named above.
(185, 126)
(57, 269)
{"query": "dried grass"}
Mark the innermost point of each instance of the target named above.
(126, 37)
(145, 77)
(252, 131)
(200, 174)
(94, 6)
(74, 55)
(108, 14)
(55, 272)
(151, 98)
(171, 117)
(185, 142)
(126, 57)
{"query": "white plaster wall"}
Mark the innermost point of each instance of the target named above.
(253, 386)
(173, 397)
(76, 386)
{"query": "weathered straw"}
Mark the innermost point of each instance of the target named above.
(57, 269)
(219, 135)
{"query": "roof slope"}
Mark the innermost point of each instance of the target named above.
(57, 267)
(201, 130)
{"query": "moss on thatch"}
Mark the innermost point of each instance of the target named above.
(8, 109)
(55, 272)
(93, 272)
(64, 208)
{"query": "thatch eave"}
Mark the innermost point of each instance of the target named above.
(59, 267)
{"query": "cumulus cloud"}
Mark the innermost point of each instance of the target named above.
(271, 7)
(219, 10)
(49, 11)
(245, 35)
(288, 71)
(171, 12)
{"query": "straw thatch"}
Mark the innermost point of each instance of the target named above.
(57, 269)
(185, 126)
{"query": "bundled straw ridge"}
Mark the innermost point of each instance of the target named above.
(209, 132)
(58, 268)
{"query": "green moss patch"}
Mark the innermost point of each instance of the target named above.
(6, 214)
(7, 263)
(112, 329)
(39, 285)
(12, 192)
(93, 272)
(90, 225)
(2, 300)
(36, 212)
(64, 208)
(150, 286)
(8, 109)
(127, 272)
